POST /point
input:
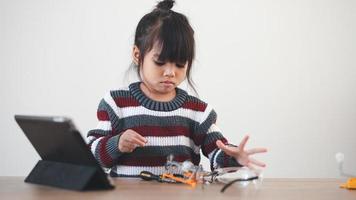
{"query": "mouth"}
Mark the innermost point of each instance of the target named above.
(168, 82)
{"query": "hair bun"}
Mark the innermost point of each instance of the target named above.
(165, 5)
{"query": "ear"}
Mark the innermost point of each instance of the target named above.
(135, 54)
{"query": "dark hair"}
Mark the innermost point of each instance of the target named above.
(171, 31)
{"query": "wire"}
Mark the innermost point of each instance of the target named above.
(237, 180)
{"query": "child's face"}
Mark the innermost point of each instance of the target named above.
(161, 76)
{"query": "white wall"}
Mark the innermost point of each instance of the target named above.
(281, 70)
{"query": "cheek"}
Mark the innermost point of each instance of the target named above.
(150, 70)
(182, 72)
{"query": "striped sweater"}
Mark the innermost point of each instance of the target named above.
(183, 127)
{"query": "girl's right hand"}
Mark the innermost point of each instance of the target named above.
(130, 140)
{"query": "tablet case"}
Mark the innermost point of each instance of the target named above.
(59, 168)
(67, 176)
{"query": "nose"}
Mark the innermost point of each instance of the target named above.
(169, 70)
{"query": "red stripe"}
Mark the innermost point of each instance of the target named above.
(199, 139)
(126, 102)
(103, 115)
(154, 160)
(104, 156)
(196, 106)
(211, 146)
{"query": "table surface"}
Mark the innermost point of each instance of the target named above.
(131, 189)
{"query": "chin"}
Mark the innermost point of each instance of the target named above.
(165, 90)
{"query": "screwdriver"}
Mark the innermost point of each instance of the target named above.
(148, 176)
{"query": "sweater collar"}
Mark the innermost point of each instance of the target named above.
(151, 104)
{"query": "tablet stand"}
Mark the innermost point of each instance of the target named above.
(68, 176)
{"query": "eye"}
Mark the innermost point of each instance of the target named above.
(180, 65)
(159, 63)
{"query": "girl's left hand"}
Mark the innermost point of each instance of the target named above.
(241, 155)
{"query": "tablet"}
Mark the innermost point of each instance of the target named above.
(56, 139)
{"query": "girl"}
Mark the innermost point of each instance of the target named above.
(141, 125)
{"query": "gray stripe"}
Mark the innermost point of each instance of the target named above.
(148, 120)
(174, 104)
(103, 106)
(98, 131)
(112, 147)
(231, 162)
(204, 127)
(165, 107)
(212, 137)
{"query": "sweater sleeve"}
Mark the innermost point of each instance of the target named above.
(103, 140)
(212, 133)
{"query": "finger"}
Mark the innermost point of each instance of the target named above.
(138, 142)
(127, 143)
(134, 141)
(139, 137)
(256, 150)
(130, 146)
(250, 166)
(231, 151)
(243, 142)
(258, 163)
(126, 149)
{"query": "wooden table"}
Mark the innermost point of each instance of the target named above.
(132, 189)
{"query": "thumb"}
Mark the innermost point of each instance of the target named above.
(220, 144)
